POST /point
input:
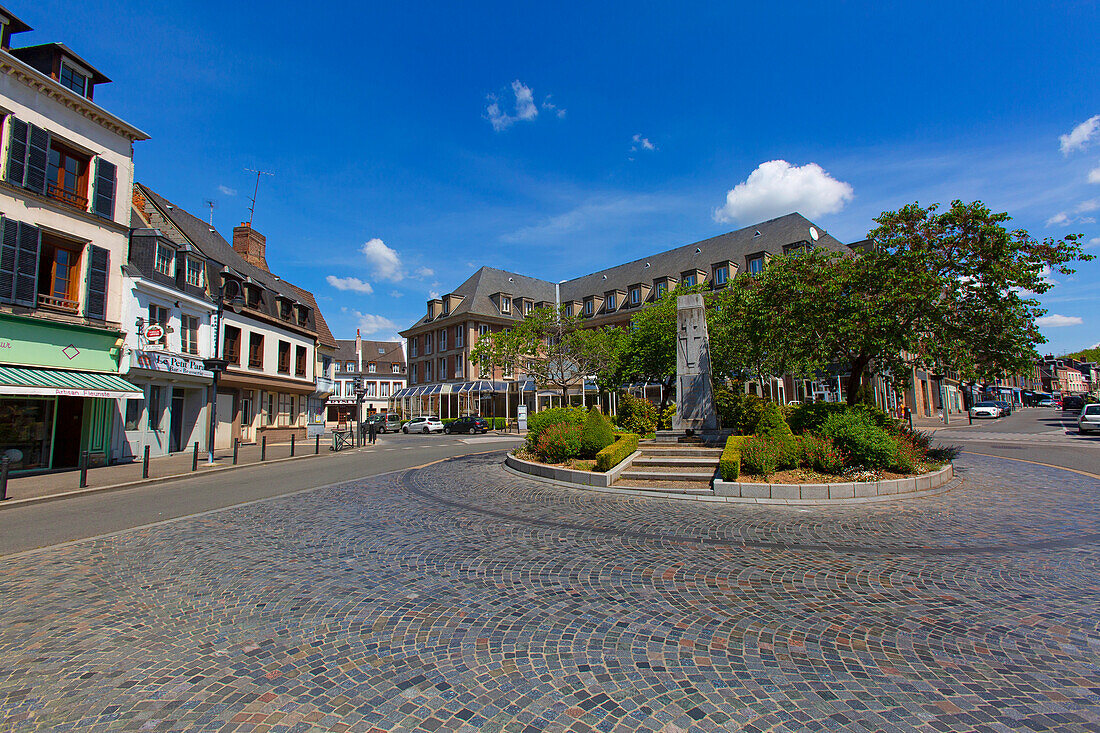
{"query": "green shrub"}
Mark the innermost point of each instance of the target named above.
(616, 453)
(821, 455)
(539, 421)
(864, 443)
(665, 423)
(810, 417)
(739, 412)
(636, 415)
(912, 450)
(597, 433)
(760, 456)
(729, 465)
(771, 423)
(559, 442)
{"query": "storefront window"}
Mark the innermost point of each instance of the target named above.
(154, 407)
(133, 414)
(26, 427)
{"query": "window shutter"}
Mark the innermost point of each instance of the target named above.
(26, 266)
(17, 152)
(104, 200)
(9, 245)
(38, 156)
(97, 283)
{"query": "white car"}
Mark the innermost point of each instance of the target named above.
(985, 409)
(1089, 419)
(427, 424)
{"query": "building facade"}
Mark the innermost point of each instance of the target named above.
(66, 167)
(379, 365)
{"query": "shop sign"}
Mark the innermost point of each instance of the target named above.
(158, 361)
(154, 332)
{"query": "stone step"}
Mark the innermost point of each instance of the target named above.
(676, 461)
(668, 474)
(686, 452)
(693, 488)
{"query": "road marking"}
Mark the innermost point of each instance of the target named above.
(1034, 463)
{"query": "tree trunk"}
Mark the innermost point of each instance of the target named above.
(855, 379)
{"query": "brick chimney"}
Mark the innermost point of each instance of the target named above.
(250, 244)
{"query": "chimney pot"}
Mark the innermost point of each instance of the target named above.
(251, 245)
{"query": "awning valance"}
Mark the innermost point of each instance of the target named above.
(58, 382)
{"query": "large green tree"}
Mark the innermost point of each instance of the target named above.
(952, 290)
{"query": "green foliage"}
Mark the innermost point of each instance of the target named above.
(559, 442)
(864, 443)
(616, 453)
(760, 456)
(771, 423)
(739, 412)
(821, 455)
(636, 415)
(729, 465)
(809, 418)
(540, 421)
(597, 433)
(667, 414)
(1092, 354)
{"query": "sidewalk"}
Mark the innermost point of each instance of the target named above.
(177, 465)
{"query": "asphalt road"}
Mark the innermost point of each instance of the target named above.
(50, 523)
(1040, 434)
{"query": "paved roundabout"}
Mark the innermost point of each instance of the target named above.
(459, 597)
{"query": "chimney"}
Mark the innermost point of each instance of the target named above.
(249, 243)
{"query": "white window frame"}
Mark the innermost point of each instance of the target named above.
(184, 333)
(754, 267)
(442, 339)
(198, 281)
(505, 304)
(171, 260)
(458, 336)
(635, 296)
(483, 329)
(458, 367)
(427, 344)
(721, 275)
(414, 344)
(396, 368)
(609, 302)
(588, 307)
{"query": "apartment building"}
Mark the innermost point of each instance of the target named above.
(67, 164)
(442, 378)
(272, 333)
(380, 365)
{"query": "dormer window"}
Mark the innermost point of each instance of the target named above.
(74, 79)
(721, 274)
(528, 306)
(164, 259)
(505, 304)
(588, 306)
(636, 295)
(609, 302)
(284, 309)
(303, 315)
(756, 265)
(689, 280)
(569, 310)
(193, 274)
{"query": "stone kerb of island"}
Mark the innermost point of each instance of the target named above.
(866, 490)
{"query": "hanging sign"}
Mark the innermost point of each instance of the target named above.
(154, 332)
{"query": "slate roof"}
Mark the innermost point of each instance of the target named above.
(394, 352)
(766, 237)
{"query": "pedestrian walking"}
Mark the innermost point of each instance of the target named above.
(372, 431)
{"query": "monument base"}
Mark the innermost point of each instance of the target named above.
(706, 437)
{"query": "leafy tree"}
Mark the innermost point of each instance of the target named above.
(647, 353)
(951, 290)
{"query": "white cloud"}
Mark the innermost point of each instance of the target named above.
(777, 187)
(433, 295)
(1055, 320)
(1063, 218)
(641, 143)
(368, 324)
(384, 261)
(1059, 219)
(353, 284)
(1094, 242)
(1080, 137)
(597, 212)
(551, 107)
(1094, 175)
(227, 190)
(424, 272)
(525, 108)
(396, 294)
(1090, 205)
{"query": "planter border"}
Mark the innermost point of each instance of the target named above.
(571, 475)
(858, 491)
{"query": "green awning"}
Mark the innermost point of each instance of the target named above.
(58, 382)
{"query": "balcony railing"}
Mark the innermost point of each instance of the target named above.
(61, 304)
(67, 197)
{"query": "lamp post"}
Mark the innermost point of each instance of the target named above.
(217, 365)
(359, 393)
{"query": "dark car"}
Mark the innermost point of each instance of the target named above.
(1006, 406)
(468, 424)
(1072, 403)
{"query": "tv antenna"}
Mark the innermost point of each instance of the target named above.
(252, 209)
(212, 204)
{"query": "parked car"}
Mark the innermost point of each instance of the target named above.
(985, 409)
(425, 424)
(468, 424)
(1046, 403)
(1089, 419)
(1006, 407)
(389, 422)
(1072, 402)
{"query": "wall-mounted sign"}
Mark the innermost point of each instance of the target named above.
(154, 332)
(159, 361)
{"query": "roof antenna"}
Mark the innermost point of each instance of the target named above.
(212, 204)
(252, 208)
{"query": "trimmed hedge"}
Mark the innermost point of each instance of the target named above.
(616, 453)
(729, 465)
(862, 442)
(597, 433)
(539, 421)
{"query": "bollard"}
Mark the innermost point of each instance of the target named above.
(263, 448)
(236, 445)
(317, 445)
(292, 445)
(84, 469)
(5, 465)
(145, 464)
(195, 457)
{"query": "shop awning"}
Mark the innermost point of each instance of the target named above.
(57, 382)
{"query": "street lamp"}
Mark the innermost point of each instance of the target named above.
(360, 392)
(217, 365)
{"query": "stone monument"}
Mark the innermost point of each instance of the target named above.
(695, 409)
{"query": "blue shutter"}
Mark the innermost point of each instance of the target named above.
(9, 244)
(96, 301)
(17, 151)
(103, 201)
(26, 266)
(38, 156)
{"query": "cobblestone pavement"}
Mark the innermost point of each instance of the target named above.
(458, 598)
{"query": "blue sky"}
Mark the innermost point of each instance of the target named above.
(413, 143)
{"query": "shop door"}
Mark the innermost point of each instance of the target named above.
(246, 419)
(224, 437)
(70, 419)
(175, 430)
